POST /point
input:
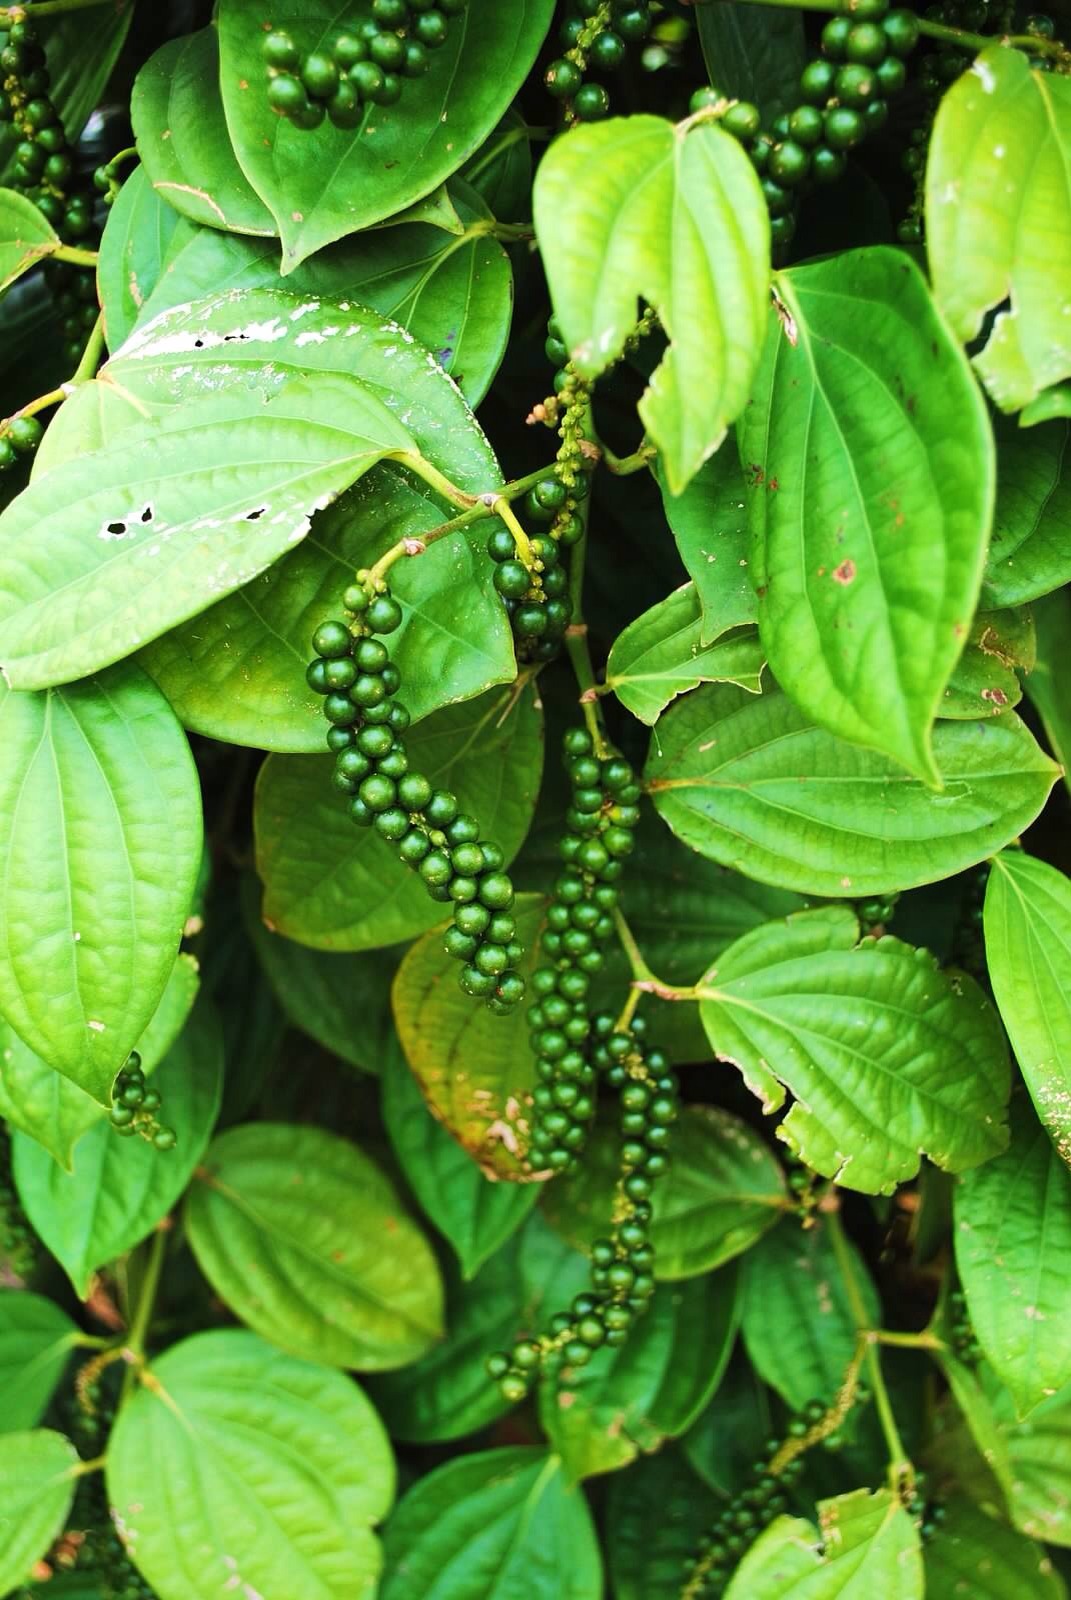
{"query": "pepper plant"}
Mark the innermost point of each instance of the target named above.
(535, 960)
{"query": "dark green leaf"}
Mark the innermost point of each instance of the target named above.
(120, 1189)
(754, 55)
(1031, 539)
(709, 523)
(100, 831)
(26, 236)
(985, 680)
(36, 1341)
(338, 181)
(868, 1544)
(869, 462)
(1047, 684)
(660, 656)
(630, 209)
(655, 1515)
(490, 1527)
(308, 1242)
(1028, 953)
(749, 782)
(282, 1470)
(974, 1553)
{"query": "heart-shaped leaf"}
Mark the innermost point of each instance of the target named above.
(661, 655)
(37, 1476)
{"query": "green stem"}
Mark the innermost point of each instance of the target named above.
(84, 1468)
(930, 30)
(624, 466)
(134, 1347)
(435, 479)
(900, 1467)
(511, 137)
(908, 1341)
(91, 355)
(484, 508)
(76, 257)
(90, 1341)
(32, 407)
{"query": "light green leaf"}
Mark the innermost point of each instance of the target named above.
(977, 1554)
(627, 1401)
(998, 220)
(182, 137)
(282, 1469)
(1013, 1251)
(754, 55)
(798, 1324)
(655, 1516)
(633, 208)
(1033, 1463)
(1050, 404)
(37, 1473)
(660, 656)
(749, 782)
(1046, 686)
(500, 1525)
(26, 236)
(985, 681)
(870, 469)
(109, 550)
(36, 1341)
(475, 1070)
(336, 886)
(397, 154)
(308, 1242)
(121, 1188)
(475, 1214)
(709, 523)
(142, 234)
(53, 1110)
(1028, 953)
(885, 1056)
(869, 1546)
(1030, 546)
(100, 832)
(723, 1191)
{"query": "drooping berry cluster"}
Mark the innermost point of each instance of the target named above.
(537, 596)
(844, 97)
(596, 38)
(363, 67)
(622, 1264)
(740, 1522)
(600, 820)
(352, 669)
(877, 911)
(135, 1106)
(961, 1334)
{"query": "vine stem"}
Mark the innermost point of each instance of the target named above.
(91, 355)
(484, 507)
(76, 257)
(134, 1348)
(84, 1468)
(929, 30)
(901, 1470)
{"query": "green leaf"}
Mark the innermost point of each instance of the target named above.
(629, 1400)
(341, 1001)
(339, 887)
(120, 1189)
(36, 1340)
(500, 1525)
(985, 680)
(1047, 684)
(26, 236)
(661, 655)
(722, 1445)
(53, 1110)
(1033, 1464)
(399, 153)
(100, 831)
(452, 290)
(308, 1242)
(1004, 130)
(885, 1056)
(282, 1470)
(183, 142)
(754, 55)
(110, 549)
(723, 1191)
(798, 1324)
(655, 1516)
(142, 235)
(473, 1213)
(870, 469)
(447, 1393)
(868, 1542)
(37, 1472)
(747, 781)
(632, 208)
(709, 523)
(1052, 403)
(1031, 539)
(475, 1070)
(1013, 1251)
(501, 169)
(1028, 953)
(976, 1553)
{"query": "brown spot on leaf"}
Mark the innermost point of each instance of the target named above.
(995, 696)
(845, 572)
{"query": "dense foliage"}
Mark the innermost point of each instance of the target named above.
(535, 970)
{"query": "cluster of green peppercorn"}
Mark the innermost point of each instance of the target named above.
(622, 1264)
(600, 822)
(744, 1517)
(362, 67)
(596, 37)
(353, 671)
(19, 437)
(135, 1106)
(844, 97)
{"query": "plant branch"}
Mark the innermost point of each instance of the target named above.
(483, 508)
(134, 1346)
(91, 355)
